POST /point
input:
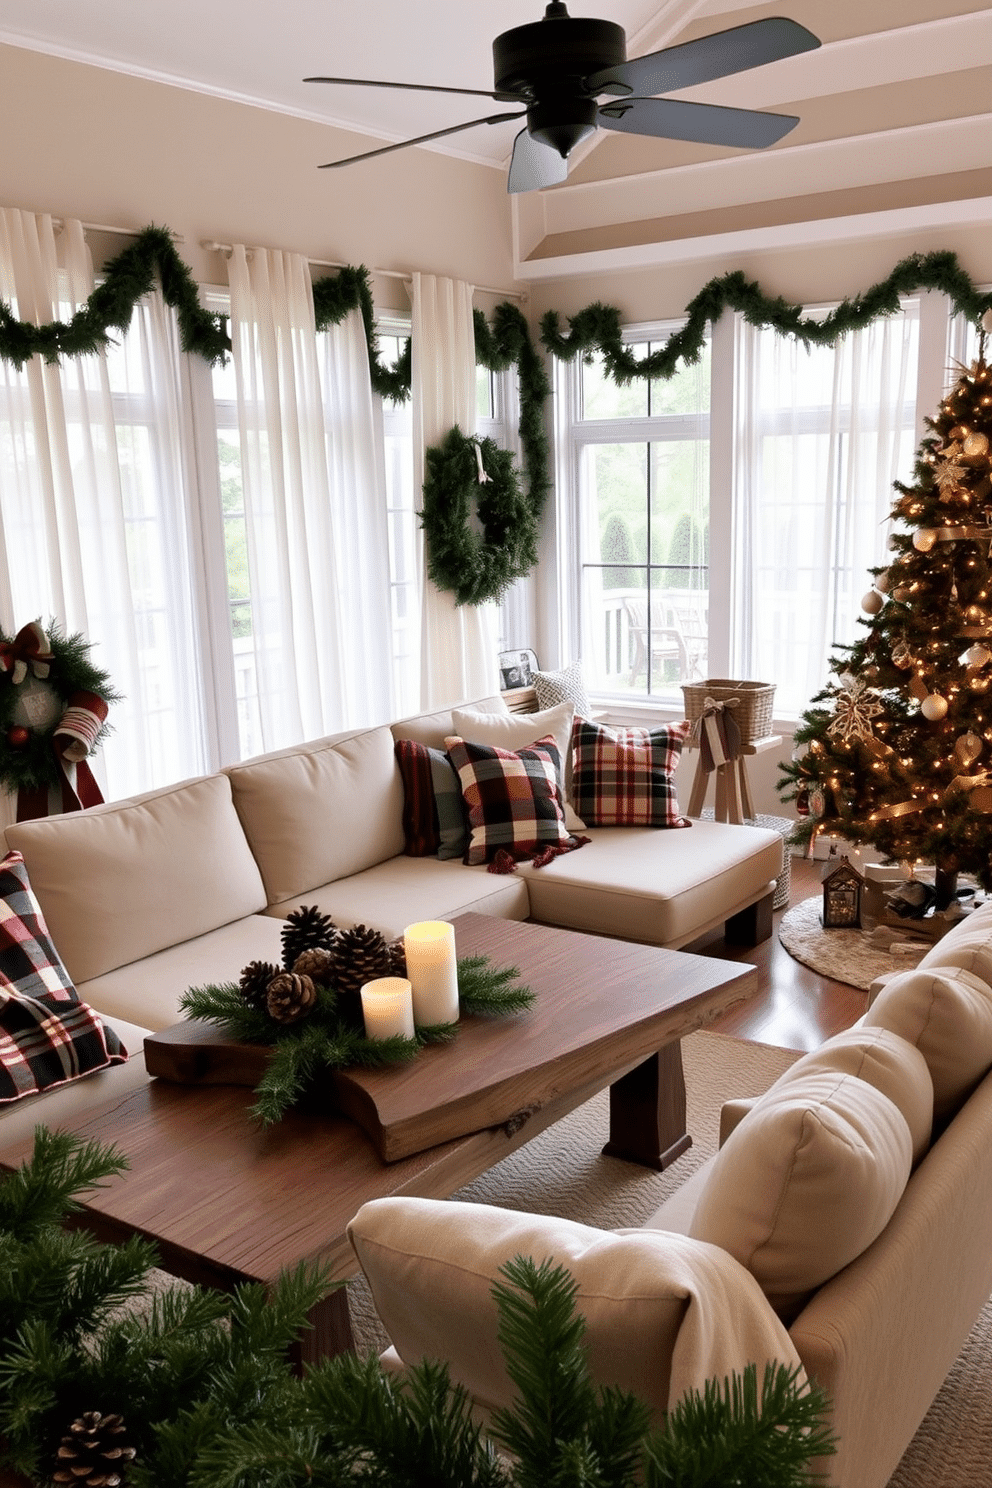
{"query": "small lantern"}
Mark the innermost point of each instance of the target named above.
(842, 886)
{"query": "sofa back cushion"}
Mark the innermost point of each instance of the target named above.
(663, 1313)
(119, 882)
(433, 728)
(321, 812)
(886, 1061)
(947, 1014)
(805, 1183)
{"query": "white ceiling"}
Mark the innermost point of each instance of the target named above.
(894, 107)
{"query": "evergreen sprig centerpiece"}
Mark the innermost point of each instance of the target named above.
(309, 1009)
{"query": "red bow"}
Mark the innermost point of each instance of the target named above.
(29, 648)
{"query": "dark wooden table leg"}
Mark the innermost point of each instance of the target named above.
(647, 1111)
(330, 1331)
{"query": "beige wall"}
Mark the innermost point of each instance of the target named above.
(87, 142)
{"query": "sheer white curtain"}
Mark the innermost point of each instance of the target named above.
(318, 575)
(92, 506)
(820, 437)
(458, 644)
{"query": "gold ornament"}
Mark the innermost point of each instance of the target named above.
(949, 471)
(901, 655)
(872, 602)
(976, 445)
(934, 707)
(967, 748)
(924, 539)
(978, 655)
(854, 712)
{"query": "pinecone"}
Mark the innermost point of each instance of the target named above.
(360, 955)
(290, 997)
(317, 964)
(254, 983)
(95, 1453)
(397, 958)
(306, 929)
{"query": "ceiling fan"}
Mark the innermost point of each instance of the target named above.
(558, 67)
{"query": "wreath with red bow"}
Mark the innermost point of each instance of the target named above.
(53, 713)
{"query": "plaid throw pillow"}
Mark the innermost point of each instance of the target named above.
(433, 815)
(512, 798)
(623, 777)
(47, 1035)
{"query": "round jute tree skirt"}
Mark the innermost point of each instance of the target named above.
(845, 955)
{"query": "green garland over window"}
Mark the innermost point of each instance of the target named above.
(599, 328)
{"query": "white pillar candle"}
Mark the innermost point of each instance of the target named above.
(387, 1007)
(433, 972)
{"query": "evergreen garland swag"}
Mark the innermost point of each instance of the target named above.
(309, 1009)
(476, 567)
(199, 1387)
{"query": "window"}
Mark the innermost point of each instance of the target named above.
(727, 518)
(640, 468)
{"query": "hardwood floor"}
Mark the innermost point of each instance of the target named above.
(796, 1008)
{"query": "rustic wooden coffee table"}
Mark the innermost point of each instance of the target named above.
(226, 1202)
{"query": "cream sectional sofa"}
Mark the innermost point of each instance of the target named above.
(843, 1226)
(184, 886)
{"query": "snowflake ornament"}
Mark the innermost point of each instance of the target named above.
(854, 712)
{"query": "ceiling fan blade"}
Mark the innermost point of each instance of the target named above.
(699, 123)
(420, 140)
(534, 165)
(417, 87)
(708, 57)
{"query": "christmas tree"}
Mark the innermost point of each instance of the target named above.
(896, 751)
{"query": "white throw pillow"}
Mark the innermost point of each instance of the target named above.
(947, 1014)
(663, 1313)
(890, 1063)
(805, 1183)
(516, 730)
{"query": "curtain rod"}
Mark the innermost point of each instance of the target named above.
(404, 274)
(122, 232)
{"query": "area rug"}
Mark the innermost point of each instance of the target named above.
(844, 955)
(562, 1173)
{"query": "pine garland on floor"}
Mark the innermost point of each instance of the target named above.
(192, 1389)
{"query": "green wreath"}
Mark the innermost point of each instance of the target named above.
(476, 566)
(28, 759)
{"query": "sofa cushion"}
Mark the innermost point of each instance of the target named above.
(403, 890)
(623, 777)
(886, 1061)
(947, 1015)
(123, 881)
(564, 686)
(433, 728)
(513, 800)
(433, 812)
(662, 888)
(663, 1314)
(806, 1182)
(322, 811)
(968, 947)
(148, 991)
(517, 730)
(47, 1035)
(61, 1105)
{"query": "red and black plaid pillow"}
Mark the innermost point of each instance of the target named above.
(47, 1035)
(623, 777)
(512, 798)
(433, 817)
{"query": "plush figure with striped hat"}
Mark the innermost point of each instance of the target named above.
(53, 714)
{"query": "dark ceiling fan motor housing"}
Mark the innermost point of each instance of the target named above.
(545, 65)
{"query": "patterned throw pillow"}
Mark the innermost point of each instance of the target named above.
(47, 1035)
(512, 798)
(623, 777)
(565, 686)
(433, 814)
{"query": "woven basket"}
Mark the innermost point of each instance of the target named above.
(753, 713)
